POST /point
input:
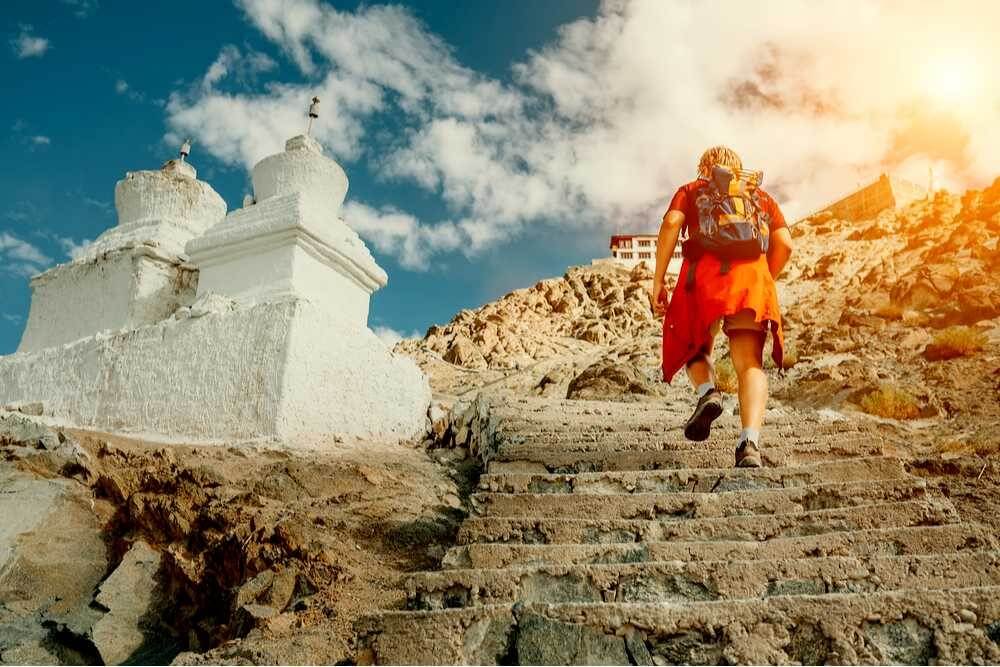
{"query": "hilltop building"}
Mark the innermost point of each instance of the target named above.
(185, 322)
(870, 200)
(630, 250)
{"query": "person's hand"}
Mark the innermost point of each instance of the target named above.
(658, 299)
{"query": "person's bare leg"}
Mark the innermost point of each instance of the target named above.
(701, 369)
(746, 348)
(701, 373)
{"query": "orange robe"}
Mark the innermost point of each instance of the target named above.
(691, 313)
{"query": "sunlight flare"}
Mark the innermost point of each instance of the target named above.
(952, 78)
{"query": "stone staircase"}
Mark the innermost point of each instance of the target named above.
(600, 536)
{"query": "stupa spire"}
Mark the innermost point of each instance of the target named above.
(313, 114)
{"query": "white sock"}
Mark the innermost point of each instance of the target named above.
(705, 387)
(751, 434)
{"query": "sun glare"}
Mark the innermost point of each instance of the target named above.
(951, 78)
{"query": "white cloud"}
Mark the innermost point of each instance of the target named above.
(124, 88)
(22, 131)
(82, 8)
(101, 205)
(231, 62)
(21, 211)
(391, 336)
(19, 257)
(28, 45)
(242, 129)
(73, 249)
(12, 318)
(400, 234)
(604, 122)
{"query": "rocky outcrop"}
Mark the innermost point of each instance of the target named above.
(936, 259)
(52, 548)
(867, 300)
(133, 600)
(609, 380)
(587, 307)
(120, 551)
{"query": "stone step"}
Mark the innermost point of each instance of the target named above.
(959, 626)
(605, 427)
(703, 480)
(542, 406)
(544, 412)
(684, 505)
(541, 461)
(679, 582)
(517, 448)
(869, 543)
(534, 530)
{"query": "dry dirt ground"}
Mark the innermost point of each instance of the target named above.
(332, 528)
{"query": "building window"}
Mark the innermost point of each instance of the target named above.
(645, 243)
(626, 243)
(625, 255)
(645, 255)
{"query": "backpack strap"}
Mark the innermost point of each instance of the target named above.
(689, 281)
(724, 268)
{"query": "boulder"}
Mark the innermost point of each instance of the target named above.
(610, 380)
(253, 616)
(269, 589)
(542, 641)
(17, 429)
(440, 418)
(52, 557)
(641, 272)
(463, 352)
(132, 597)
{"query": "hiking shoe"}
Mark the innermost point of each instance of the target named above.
(748, 455)
(699, 426)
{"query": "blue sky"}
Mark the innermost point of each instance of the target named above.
(488, 144)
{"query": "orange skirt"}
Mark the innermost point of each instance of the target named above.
(691, 313)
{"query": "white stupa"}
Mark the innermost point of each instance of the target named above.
(134, 273)
(274, 342)
(291, 242)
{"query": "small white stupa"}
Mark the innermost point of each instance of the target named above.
(273, 344)
(290, 241)
(134, 273)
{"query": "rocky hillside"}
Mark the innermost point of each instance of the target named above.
(931, 265)
(602, 305)
(906, 304)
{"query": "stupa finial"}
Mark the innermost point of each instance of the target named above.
(313, 114)
(185, 149)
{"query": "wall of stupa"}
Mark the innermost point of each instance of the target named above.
(281, 370)
(122, 289)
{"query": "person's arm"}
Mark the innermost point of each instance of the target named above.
(670, 231)
(780, 245)
(778, 251)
